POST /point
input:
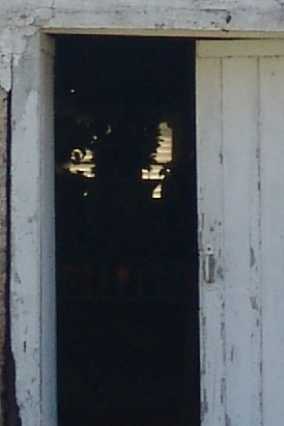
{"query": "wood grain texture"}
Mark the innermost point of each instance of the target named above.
(47, 236)
(211, 228)
(241, 49)
(239, 192)
(3, 240)
(272, 206)
(241, 240)
(252, 130)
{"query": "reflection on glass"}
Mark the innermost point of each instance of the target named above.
(83, 162)
(161, 158)
(125, 232)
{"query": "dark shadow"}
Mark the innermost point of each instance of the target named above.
(127, 298)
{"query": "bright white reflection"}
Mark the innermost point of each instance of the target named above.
(83, 161)
(162, 156)
(157, 193)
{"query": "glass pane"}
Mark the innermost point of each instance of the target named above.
(126, 232)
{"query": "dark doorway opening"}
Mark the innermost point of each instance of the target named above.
(126, 246)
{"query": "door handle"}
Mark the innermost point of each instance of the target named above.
(209, 265)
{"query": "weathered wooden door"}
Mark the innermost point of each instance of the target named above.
(240, 146)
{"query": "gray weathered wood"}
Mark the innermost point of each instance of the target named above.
(241, 49)
(232, 201)
(272, 205)
(241, 240)
(211, 220)
(249, 191)
(3, 241)
(47, 237)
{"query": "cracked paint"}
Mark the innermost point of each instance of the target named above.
(183, 14)
(5, 60)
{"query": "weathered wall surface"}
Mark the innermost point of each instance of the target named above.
(261, 15)
(225, 15)
(223, 18)
(240, 99)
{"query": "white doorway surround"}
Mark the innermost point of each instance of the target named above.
(33, 323)
(240, 127)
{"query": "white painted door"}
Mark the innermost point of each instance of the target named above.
(240, 147)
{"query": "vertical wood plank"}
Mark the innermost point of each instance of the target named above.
(232, 199)
(241, 240)
(272, 160)
(3, 240)
(47, 225)
(210, 211)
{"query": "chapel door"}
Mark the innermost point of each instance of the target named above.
(240, 152)
(126, 232)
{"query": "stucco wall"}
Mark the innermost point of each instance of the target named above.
(260, 15)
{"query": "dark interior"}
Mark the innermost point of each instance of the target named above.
(127, 298)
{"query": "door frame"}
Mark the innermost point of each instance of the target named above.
(32, 267)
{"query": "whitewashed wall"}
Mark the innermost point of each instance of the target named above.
(243, 15)
(240, 99)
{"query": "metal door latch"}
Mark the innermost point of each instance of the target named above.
(209, 265)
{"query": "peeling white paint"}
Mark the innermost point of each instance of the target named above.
(218, 15)
(5, 59)
(13, 43)
(240, 109)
